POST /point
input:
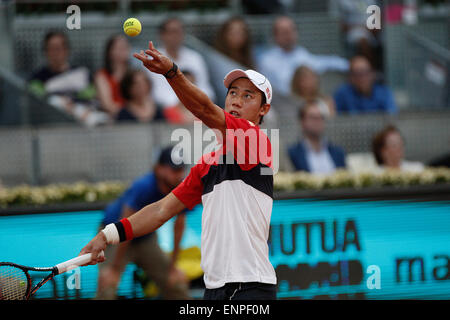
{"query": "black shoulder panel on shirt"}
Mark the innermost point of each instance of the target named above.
(224, 171)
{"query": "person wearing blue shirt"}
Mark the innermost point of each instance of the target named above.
(145, 251)
(314, 153)
(362, 94)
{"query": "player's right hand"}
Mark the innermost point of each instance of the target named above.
(95, 246)
(154, 60)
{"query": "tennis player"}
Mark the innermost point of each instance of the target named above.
(234, 184)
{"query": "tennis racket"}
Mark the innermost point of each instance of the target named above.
(16, 283)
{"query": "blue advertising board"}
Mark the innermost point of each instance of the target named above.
(330, 249)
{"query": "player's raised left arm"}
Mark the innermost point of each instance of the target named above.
(194, 99)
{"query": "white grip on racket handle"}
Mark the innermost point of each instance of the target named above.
(75, 262)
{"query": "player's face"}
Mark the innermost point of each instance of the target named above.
(244, 101)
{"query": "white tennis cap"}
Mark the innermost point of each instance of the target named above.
(260, 81)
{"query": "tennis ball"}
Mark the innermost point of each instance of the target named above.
(132, 27)
(22, 283)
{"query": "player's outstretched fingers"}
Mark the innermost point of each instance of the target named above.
(152, 48)
(140, 56)
(154, 54)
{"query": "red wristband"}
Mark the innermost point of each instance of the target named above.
(127, 228)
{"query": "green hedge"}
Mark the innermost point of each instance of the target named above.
(284, 181)
(25, 195)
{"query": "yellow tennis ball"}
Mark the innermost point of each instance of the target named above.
(132, 27)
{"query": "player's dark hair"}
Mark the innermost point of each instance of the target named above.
(55, 33)
(127, 82)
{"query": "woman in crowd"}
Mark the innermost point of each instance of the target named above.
(139, 104)
(233, 40)
(107, 79)
(389, 150)
(305, 86)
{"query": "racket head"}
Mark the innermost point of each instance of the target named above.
(15, 282)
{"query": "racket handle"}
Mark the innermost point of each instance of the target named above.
(75, 262)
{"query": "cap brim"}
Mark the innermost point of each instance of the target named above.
(233, 75)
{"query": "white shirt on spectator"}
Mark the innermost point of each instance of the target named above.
(188, 60)
(408, 166)
(319, 162)
(279, 65)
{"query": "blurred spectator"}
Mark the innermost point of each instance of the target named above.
(305, 87)
(359, 39)
(315, 154)
(107, 80)
(139, 104)
(67, 88)
(362, 93)
(178, 114)
(233, 40)
(171, 34)
(388, 148)
(279, 62)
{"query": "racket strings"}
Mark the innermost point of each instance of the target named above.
(13, 283)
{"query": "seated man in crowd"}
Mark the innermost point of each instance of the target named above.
(68, 88)
(362, 94)
(171, 34)
(280, 62)
(315, 154)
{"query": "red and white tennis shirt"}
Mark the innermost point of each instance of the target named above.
(237, 195)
